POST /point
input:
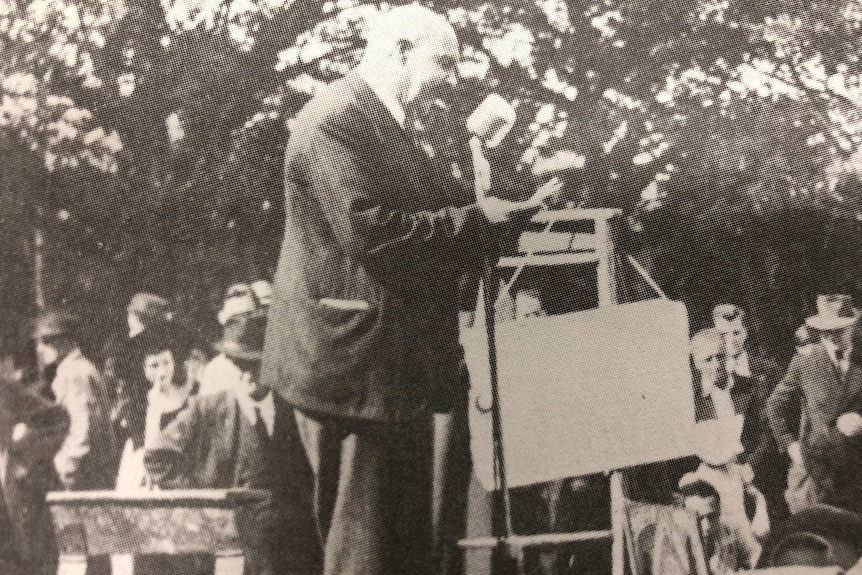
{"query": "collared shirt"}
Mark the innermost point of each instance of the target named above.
(390, 101)
(844, 364)
(739, 365)
(722, 400)
(249, 408)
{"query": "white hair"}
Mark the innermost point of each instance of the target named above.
(704, 338)
(411, 22)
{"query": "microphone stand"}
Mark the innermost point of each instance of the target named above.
(503, 560)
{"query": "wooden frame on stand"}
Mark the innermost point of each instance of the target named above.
(508, 549)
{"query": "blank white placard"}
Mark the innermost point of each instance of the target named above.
(585, 392)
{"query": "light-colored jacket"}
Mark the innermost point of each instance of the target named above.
(85, 460)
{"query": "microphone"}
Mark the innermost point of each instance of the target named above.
(492, 120)
(489, 123)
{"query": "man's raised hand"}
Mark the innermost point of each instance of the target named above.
(498, 211)
(548, 193)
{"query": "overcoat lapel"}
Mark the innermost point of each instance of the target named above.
(396, 142)
(853, 382)
(741, 394)
(830, 376)
(229, 410)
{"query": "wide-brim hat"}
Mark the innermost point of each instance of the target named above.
(725, 315)
(243, 337)
(55, 323)
(834, 312)
(150, 308)
(831, 523)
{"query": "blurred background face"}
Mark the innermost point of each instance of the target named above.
(707, 511)
(841, 338)
(735, 335)
(47, 351)
(159, 369)
(710, 361)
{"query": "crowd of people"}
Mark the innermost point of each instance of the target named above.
(164, 410)
(791, 435)
(324, 385)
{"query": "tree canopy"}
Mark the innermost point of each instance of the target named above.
(149, 134)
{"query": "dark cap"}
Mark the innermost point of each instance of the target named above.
(839, 529)
(150, 308)
(244, 336)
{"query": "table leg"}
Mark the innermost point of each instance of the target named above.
(122, 564)
(72, 565)
(229, 563)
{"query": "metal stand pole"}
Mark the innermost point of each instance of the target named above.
(503, 561)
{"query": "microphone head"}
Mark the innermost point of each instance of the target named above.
(492, 120)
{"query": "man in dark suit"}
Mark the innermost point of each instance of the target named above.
(363, 332)
(826, 385)
(246, 437)
(718, 395)
(31, 431)
(763, 374)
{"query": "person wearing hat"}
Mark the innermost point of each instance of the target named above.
(86, 458)
(147, 310)
(825, 386)
(817, 536)
(121, 366)
(221, 372)
(764, 374)
(246, 436)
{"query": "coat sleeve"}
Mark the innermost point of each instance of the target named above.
(346, 184)
(47, 429)
(171, 459)
(756, 434)
(784, 400)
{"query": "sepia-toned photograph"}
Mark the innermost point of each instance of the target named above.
(436, 287)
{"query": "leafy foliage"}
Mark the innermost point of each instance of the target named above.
(728, 130)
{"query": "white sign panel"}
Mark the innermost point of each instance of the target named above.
(586, 392)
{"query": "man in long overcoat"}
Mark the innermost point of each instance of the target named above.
(826, 386)
(363, 331)
(245, 436)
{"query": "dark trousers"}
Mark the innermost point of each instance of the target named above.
(372, 494)
(452, 472)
